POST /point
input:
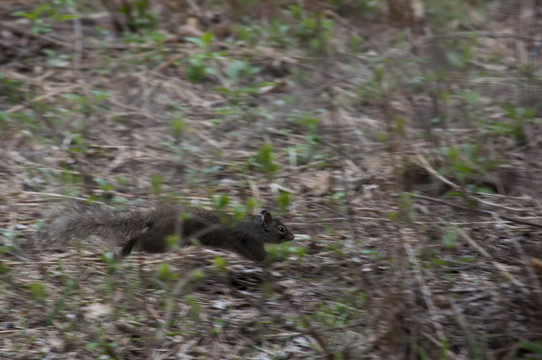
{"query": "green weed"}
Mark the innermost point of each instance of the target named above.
(44, 16)
(264, 160)
(201, 64)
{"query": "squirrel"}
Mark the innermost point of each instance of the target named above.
(147, 228)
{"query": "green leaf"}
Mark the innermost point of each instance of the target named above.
(532, 347)
(393, 216)
(37, 290)
(156, 183)
(235, 69)
(165, 272)
(66, 17)
(220, 263)
(448, 239)
(196, 41)
(220, 202)
(283, 200)
(265, 159)
(172, 242)
(91, 346)
(207, 38)
(197, 275)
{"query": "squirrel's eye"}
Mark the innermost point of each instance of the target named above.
(281, 229)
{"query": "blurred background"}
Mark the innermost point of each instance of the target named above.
(400, 140)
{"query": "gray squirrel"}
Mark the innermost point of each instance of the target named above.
(146, 228)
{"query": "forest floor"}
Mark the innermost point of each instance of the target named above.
(400, 141)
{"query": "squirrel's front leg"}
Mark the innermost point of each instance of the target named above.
(127, 248)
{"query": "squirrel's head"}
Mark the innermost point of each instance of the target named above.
(276, 231)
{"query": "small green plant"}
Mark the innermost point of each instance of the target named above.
(79, 145)
(240, 210)
(312, 30)
(241, 68)
(459, 54)
(12, 89)
(96, 102)
(156, 183)
(356, 8)
(106, 348)
(195, 309)
(155, 38)
(334, 314)
(165, 273)
(449, 237)
(355, 43)
(28, 118)
(308, 151)
(37, 291)
(279, 34)
(198, 68)
(306, 29)
(172, 242)
(239, 96)
(283, 200)
(4, 120)
(70, 178)
(515, 128)
(250, 34)
(219, 325)
(111, 262)
(532, 347)
(282, 251)
(466, 161)
(446, 16)
(310, 121)
(264, 160)
(204, 63)
(220, 264)
(138, 15)
(220, 202)
(177, 125)
(472, 109)
(197, 275)
(373, 87)
(104, 185)
(57, 60)
(4, 268)
(406, 204)
(251, 204)
(12, 240)
(71, 285)
(44, 16)
(85, 106)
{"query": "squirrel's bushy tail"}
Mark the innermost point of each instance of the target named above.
(79, 221)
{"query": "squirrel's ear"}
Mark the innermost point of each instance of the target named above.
(266, 218)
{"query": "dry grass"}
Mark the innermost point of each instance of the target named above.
(385, 274)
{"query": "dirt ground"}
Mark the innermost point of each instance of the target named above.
(401, 144)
